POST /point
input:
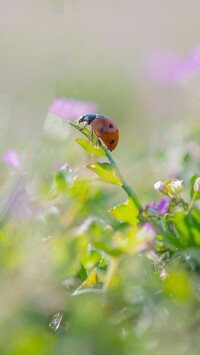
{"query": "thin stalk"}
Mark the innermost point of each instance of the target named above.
(192, 202)
(125, 186)
(131, 194)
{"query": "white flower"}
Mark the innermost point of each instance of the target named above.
(160, 187)
(175, 186)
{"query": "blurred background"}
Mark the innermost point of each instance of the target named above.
(105, 52)
(139, 63)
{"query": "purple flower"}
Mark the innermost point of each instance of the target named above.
(161, 207)
(11, 158)
(71, 108)
(156, 209)
(165, 67)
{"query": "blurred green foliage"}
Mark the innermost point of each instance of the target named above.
(78, 279)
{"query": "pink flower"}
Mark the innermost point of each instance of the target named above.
(71, 108)
(162, 67)
(165, 67)
(11, 158)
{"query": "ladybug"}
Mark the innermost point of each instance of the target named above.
(103, 127)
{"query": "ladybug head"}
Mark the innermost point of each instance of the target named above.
(87, 118)
(81, 119)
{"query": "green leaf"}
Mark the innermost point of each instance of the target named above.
(82, 273)
(90, 282)
(171, 240)
(182, 228)
(178, 285)
(194, 220)
(90, 148)
(188, 227)
(106, 172)
(192, 181)
(126, 212)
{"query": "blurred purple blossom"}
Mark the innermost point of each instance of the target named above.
(147, 233)
(164, 67)
(17, 203)
(11, 158)
(71, 108)
(148, 228)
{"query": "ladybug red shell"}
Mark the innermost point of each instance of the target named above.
(103, 127)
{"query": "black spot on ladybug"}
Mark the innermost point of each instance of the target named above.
(110, 125)
(100, 129)
(112, 141)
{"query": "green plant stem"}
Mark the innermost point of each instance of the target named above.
(114, 261)
(192, 202)
(125, 186)
(131, 194)
(111, 271)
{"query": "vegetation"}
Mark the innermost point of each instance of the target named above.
(77, 278)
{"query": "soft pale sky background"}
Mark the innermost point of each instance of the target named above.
(95, 51)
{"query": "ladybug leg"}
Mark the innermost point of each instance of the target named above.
(85, 125)
(98, 143)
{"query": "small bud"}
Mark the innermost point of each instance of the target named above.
(160, 187)
(196, 186)
(174, 186)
